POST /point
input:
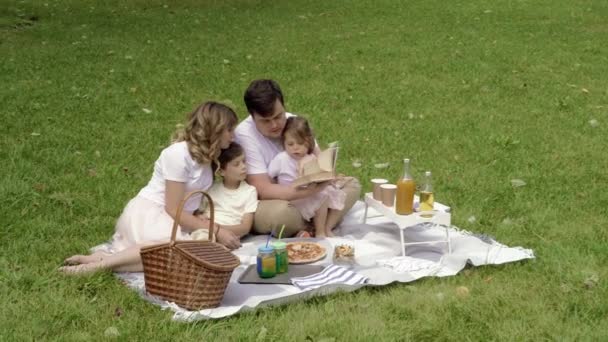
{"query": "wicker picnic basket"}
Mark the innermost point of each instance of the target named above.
(192, 274)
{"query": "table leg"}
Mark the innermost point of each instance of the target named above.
(447, 236)
(402, 242)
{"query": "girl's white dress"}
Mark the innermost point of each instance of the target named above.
(144, 219)
(285, 169)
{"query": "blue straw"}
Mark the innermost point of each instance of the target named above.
(269, 236)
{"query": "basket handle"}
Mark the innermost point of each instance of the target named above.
(181, 207)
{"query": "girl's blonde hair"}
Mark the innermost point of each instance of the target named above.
(203, 130)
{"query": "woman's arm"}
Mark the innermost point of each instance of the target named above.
(243, 228)
(174, 194)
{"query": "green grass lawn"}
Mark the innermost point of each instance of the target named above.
(479, 92)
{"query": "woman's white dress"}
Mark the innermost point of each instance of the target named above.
(144, 219)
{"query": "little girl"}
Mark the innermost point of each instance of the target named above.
(234, 201)
(299, 143)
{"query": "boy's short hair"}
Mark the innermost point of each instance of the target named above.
(229, 154)
(261, 95)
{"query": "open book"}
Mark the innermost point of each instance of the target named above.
(321, 169)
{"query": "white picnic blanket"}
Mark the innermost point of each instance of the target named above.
(378, 257)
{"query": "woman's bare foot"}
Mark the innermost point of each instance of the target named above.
(85, 259)
(82, 269)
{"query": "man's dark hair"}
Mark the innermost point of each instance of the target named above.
(261, 96)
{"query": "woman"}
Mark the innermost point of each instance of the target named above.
(184, 166)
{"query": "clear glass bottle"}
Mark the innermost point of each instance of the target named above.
(427, 199)
(406, 187)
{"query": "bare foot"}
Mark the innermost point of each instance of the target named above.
(303, 234)
(85, 259)
(82, 269)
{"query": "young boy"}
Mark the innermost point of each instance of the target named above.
(234, 201)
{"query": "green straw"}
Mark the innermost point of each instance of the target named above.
(281, 232)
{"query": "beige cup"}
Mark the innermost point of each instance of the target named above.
(388, 194)
(377, 193)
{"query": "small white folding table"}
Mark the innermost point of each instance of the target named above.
(440, 215)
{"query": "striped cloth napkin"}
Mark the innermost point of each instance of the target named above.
(332, 274)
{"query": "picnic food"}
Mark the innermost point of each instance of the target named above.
(304, 252)
(344, 253)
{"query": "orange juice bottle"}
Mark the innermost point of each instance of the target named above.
(405, 191)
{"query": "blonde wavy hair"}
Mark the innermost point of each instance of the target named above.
(203, 130)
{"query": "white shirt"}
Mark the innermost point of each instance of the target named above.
(231, 204)
(284, 168)
(259, 150)
(176, 164)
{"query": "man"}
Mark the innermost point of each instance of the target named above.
(260, 136)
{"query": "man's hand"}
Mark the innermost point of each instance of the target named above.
(342, 180)
(313, 188)
(228, 239)
(267, 190)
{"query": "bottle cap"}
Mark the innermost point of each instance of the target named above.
(279, 245)
(264, 249)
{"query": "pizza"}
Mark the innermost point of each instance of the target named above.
(304, 252)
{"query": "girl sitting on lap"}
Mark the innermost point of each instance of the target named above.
(323, 207)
